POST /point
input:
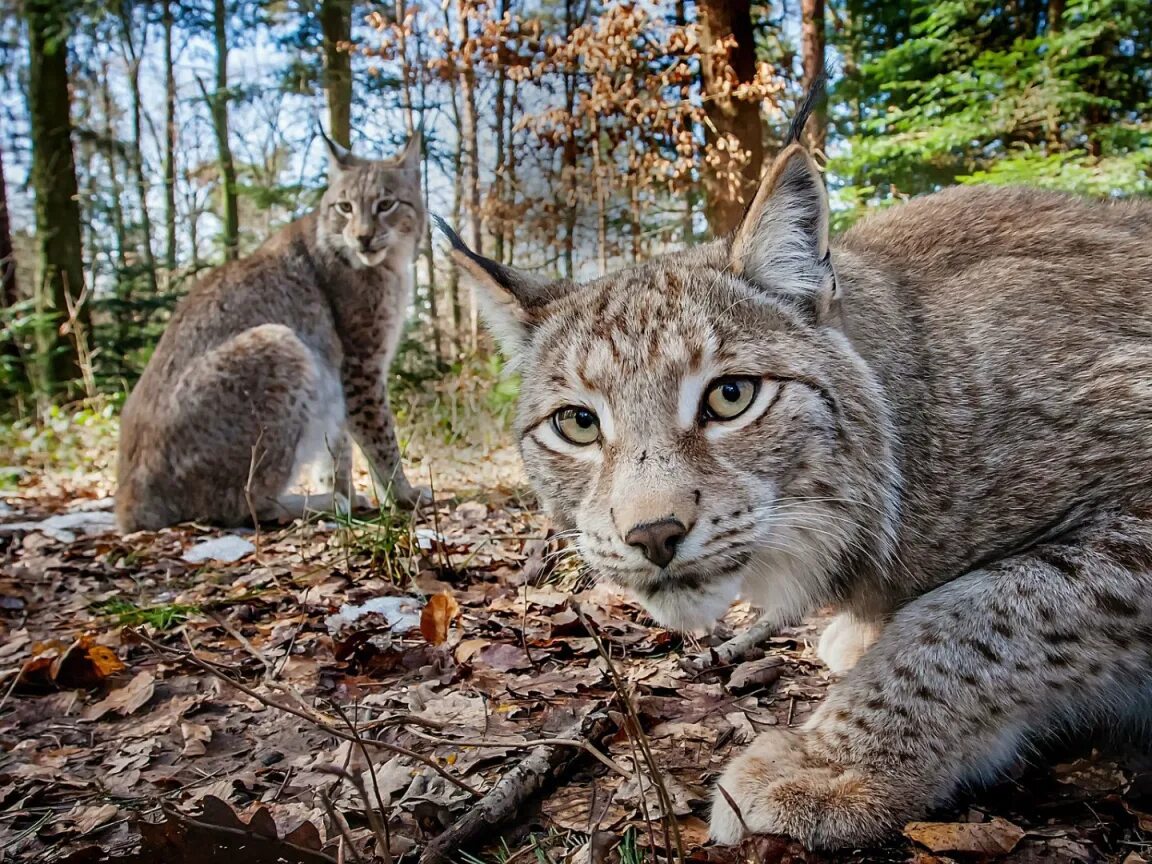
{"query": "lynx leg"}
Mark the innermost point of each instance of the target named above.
(955, 683)
(374, 428)
(224, 444)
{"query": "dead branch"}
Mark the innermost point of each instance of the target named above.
(735, 648)
(506, 799)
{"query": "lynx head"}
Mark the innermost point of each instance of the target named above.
(702, 419)
(372, 207)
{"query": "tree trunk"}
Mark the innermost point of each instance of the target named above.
(570, 181)
(169, 143)
(9, 293)
(336, 25)
(470, 132)
(812, 51)
(133, 59)
(510, 163)
(219, 100)
(721, 19)
(62, 339)
(501, 144)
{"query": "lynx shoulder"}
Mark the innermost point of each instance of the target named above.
(278, 359)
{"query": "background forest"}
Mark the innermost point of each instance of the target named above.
(146, 140)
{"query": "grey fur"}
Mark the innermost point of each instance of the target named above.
(273, 359)
(953, 447)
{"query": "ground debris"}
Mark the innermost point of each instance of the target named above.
(385, 687)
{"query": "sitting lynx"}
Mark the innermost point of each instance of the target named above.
(940, 424)
(268, 359)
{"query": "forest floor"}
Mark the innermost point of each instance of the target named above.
(160, 705)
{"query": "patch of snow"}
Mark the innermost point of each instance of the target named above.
(401, 613)
(224, 549)
(66, 527)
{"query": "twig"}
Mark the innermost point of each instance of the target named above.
(736, 647)
(379, 829)
(507, 798)
(340, 826)
(657, 776)
(314, 717)
(607, 761)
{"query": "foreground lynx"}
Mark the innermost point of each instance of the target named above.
(268, 359)
(941, 425)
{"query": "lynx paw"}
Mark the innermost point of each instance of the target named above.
(844, 642)
(779, 788)
(411, 497)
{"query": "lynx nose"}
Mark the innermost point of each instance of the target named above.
(657, 540)
(365, 242)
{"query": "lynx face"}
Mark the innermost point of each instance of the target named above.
(372, 207)
(700, 419)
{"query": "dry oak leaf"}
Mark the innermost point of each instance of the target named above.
(196, 737)
(82, 664)
(125, 701)
(437, 617)
(996, 837)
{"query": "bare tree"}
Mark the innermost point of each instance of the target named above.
(62, 338)
(721, 68)
(132, 57)
(166, 21)
(812, 51)
(219, 101)
(336, 25)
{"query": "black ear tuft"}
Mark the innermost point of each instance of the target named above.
(807, 106)
(496, 271)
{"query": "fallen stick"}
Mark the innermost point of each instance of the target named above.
(513, 790)
(735, 648)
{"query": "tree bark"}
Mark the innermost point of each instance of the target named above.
(219, 100)
(570, 181)
(470, 131)
(812, 51)
(501, 144)
(169, 142)
(9, 291)
(336, 25)
(133, 59)
(721, 19)
(457, 202)
(62, 338)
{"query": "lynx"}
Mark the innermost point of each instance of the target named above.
(271, 360)
(939, 425)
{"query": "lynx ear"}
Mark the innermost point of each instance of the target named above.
(409, 158)
(339, 158)
(509, 299)
(782, 244)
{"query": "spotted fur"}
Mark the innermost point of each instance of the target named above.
(271, 361)
(952, 444)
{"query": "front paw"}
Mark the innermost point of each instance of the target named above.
(411, 497)
(779, 787)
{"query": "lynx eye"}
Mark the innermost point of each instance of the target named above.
(344, 206)
(386, 205)
(577, 426)
(728, 398)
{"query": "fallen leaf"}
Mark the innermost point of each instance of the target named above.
(127, 700)
(437, 617)
(756, 673)
(996, 837)
(88, 819)
(196, 737)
